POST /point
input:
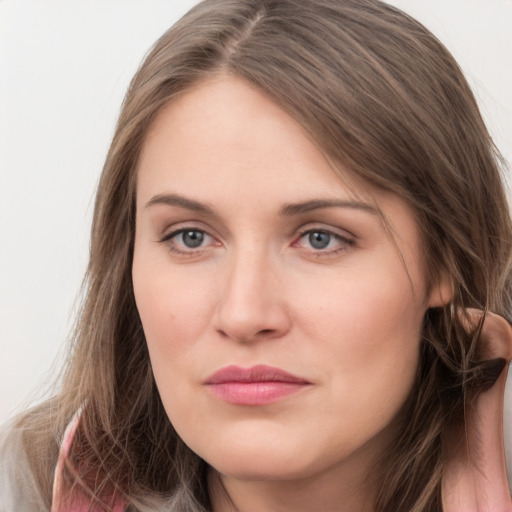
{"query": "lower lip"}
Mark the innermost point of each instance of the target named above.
(255, 393)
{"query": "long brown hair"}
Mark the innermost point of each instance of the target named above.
(379, 94)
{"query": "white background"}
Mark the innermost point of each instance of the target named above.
(64, 67)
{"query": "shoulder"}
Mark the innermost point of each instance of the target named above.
(18, 487)
(32, 462)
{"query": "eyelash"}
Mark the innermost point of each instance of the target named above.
(346, 242)
(173, 248)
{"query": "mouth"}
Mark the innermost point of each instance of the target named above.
(258, 385)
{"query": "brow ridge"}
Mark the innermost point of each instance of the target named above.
(289, 209)
(180, 201)
(316, 204)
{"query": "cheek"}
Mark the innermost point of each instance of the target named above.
(174, 312)
(363, 312)
(174, 306)
(369, 327)
(175, 309)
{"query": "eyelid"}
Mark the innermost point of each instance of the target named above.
(345, 238)
(179, 228)
(342, 233)
(178, 231)
(192, 225)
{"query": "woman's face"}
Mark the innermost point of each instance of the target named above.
(282, 320)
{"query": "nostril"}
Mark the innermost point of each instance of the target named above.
(244, 322)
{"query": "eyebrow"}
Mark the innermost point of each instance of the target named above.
(287, 210)
(182, 202)
(317, 204)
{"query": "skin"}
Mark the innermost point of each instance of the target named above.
(475, 476)
(346, 318)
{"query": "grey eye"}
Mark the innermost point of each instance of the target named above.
(192, 238)
(319, 239)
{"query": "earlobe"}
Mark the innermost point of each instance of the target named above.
(442, 292)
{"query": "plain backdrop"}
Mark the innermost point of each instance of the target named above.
(64, 68)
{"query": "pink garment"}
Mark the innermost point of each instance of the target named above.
(77, 502)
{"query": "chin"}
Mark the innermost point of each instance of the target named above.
(266, 461)
(263, 470)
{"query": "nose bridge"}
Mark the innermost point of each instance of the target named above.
(250, 306)
(246, 289)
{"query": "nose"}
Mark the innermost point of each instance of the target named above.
(252, 304)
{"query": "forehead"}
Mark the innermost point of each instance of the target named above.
(225, 129)
(225, 141)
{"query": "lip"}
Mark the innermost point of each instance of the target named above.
(258, 385)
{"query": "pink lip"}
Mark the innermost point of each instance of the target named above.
(258, 385)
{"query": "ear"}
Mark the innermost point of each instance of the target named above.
(442, 292)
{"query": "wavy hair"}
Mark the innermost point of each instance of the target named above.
(379, 94)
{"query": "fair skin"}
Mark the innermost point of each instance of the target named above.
(476, 476)
(250, 250)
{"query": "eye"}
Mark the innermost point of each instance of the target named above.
(191, 238)
(319, 239)
(322, 241)
(187, 240)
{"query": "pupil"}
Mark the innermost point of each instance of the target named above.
(193, 238)
(319, 240)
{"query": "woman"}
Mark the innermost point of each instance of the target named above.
(298, 227)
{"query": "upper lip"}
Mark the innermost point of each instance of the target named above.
(258, 373)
